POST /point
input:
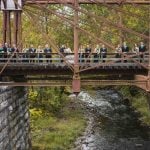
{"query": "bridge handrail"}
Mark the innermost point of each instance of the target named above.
(83, 58)
(110, 53)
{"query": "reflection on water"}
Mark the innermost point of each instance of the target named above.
(113, 124)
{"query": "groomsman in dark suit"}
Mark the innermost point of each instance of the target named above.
(14, 49)
(103, 52)
(88, 50)
(125, 49)
(6, 49)
(32, 52)
(31, 49)
(62, 51)
(48, 52)
(142, 49)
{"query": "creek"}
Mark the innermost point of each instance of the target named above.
(112, 123)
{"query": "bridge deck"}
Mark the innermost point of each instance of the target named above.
(28, 64)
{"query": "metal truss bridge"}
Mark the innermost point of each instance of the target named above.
(59, 69)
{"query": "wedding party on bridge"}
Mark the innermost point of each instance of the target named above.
(87, 54)
(74, 74)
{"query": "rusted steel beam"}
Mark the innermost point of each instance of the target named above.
(89, 2)
(119, 9)
(8, 35)
(92, 15)
(72, 24)
(76, 38)
(59, 21)
(15, 39)
(49, 84)
(4, 26)
(65, 19)
(76, 78)
(141, 83)
(123, 28)
(144, 86)
(49, 39)
(120, 22)
(112, 82)
(68, 83)
(19, 28)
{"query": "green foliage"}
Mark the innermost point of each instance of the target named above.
(50, 100)
(139, 101)
(56, 121)
(36, 21)
(35, 113)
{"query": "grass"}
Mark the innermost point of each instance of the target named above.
(141, 105)
(57, 133)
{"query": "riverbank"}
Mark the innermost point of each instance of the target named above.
(53, 131)
(91, 121)
(139, 100)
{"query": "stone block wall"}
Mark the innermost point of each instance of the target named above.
(14, 119)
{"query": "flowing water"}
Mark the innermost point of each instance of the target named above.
(113, 124)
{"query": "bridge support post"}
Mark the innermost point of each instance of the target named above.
(11, 13)
(76, 81)
(15, 27)
(6, 27)
(9, 27)
(76, 77)
(18, 28)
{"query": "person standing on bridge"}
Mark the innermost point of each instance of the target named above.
(88, 50)
(14, 50)
(25, 54)
(32, 49)
(118, 52)
(6, 50)
(103, 52)
(142, 50)
(96, 53)
(39, 53)
(1, 48)
(62, 51)
(48, 54)
(81, 53)
(1, 51)
(125, 49)
(32, 52)
(68, 51)
(135, 49)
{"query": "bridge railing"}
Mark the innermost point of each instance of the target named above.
(84, 58)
